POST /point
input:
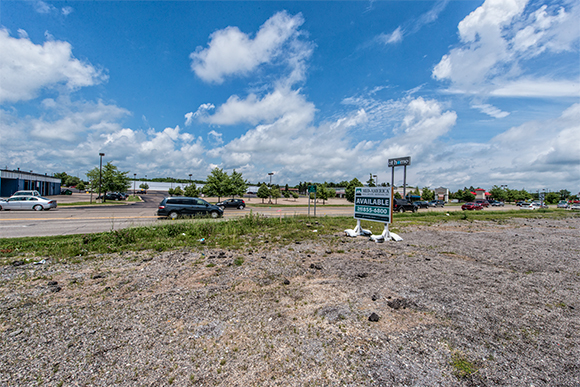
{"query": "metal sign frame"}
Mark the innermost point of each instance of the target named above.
(400, 162)
(373, 203)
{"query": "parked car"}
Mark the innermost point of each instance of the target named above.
(563, 204)
(575, 207)
(236, 203)
(421, 204)
(520, 203)
(66, 192)
(495, 203)
(532, 206)
(112, 196)
(178, 206)
(402, 205)
(482, 202)
(21, 202)
(471, 206)
(436, 203)
(26, 193)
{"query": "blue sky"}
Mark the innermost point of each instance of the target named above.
(476, 92)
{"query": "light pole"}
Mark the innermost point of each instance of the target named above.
(190, 178)
(101, 173)
(270, 174)
(134, 182)
(376, 180)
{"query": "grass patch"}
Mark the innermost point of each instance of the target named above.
(245, 232)
(462, 367)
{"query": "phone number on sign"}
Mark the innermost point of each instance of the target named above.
(372, 210)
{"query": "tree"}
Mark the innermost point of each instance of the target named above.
(349, 191)
(398, 195)
(286, 194)
(191, 191)
(371, 181)
(427, 194)
(144, 186)
(81, 186)
(498, 193)
(275, 193)
(295, 195)
(178, 191)
(263, 192)
(217, 184)
(237, 184)
(113, 180)
(171, 191)
(564, 194)
(552, 197)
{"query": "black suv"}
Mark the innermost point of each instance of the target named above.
(236, 203)
(112, 196)
(175, 207)
(402, 205)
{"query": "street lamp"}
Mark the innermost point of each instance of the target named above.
(101, 173)
(376, 180)
(270, 174)
(190, 178)
(134, 182)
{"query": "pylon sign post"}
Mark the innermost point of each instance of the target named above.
(400, 162)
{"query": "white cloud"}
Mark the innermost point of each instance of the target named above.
(490, 110)
(498, 39)
(42, 7)
(232, 52)
(215, 138)
(254, 110)
(539, 87)
(26, 68)
(67, 11)
(414, 25)
(394, 37)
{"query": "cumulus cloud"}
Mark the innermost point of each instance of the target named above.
(215, 138)
(27, 68)
(497, 40)
(231, 52)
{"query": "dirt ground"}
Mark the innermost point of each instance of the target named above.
(453, 304)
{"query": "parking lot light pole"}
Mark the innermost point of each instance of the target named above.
(134, 182)
(270, 174)
(101, 173)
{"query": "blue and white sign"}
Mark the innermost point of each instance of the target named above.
(373, 203)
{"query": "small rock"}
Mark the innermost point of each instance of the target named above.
(97, 276)
(328, 251)
(316, 266)
(286, 281)
(55, 289)
(17, 263)
(362, 275)
(374, 317)
(374, 297)
(52, 283)
(398, 303)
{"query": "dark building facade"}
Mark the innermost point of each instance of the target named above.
(12, 181)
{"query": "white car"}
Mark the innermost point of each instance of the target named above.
(26, 193)
(575, 207)
(36, 203)
(532, 206)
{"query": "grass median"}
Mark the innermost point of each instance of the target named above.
(250, 231)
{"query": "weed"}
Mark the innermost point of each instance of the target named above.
(463, 368)
(238, 261)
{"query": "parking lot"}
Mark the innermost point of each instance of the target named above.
(79, 219)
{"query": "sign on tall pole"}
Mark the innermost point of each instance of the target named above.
(400, 162)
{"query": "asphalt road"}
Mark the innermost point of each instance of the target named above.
(89, 219)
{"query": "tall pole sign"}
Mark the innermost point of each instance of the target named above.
(400, 162)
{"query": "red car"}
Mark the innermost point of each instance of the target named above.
(471, 206)
(483, 203)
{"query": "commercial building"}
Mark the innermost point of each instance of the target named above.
(12, 181)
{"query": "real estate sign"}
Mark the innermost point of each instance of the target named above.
(373, 203)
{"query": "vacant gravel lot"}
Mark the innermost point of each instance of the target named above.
(458, 304)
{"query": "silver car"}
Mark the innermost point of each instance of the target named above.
(36, 203)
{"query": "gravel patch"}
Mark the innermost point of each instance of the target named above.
(453, 304)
